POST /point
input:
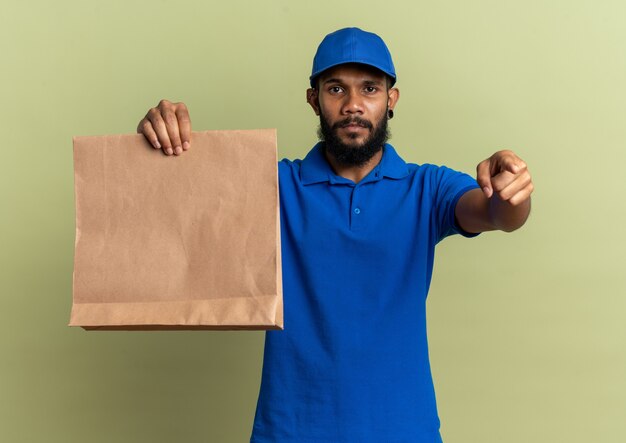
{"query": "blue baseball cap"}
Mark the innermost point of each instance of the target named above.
(352, 45)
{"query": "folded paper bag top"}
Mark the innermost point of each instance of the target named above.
(177, 242)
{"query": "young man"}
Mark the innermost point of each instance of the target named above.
(359, 228)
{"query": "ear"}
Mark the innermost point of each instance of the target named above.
(394, 96)
(313, 100)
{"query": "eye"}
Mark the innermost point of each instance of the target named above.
(370, 89)
(335, 89)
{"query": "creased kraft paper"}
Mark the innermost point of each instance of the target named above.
(177, 242)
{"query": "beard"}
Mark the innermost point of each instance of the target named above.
(352, 154)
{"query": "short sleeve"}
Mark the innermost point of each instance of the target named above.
(449, 185)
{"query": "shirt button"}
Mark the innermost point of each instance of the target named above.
(357, 211)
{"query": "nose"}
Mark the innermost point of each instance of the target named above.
(352, 104)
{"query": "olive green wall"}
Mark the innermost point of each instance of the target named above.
(527, 330)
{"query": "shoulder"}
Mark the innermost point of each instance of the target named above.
(432, 173)
(287, 165)
(439, 181)
(431, 169)
(289, 169)
(439, 172)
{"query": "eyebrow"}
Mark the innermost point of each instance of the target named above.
(366, 82)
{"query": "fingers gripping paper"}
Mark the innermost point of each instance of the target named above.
(177, 242)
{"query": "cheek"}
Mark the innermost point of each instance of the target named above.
(329, 107)
(330, 113)
(378, 107)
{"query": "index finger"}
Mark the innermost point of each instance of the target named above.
(184, 125)
(513, 163)
(483, 177)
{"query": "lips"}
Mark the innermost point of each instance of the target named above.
(353, 128)
(353, 123)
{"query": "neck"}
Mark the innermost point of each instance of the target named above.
(354, 173)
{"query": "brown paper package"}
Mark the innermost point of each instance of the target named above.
(177, 242)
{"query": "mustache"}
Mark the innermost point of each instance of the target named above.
(353, 120)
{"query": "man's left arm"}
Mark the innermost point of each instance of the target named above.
(503, 202)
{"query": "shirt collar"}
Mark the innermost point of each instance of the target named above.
(316, 169)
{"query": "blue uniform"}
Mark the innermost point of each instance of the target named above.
(351, 365)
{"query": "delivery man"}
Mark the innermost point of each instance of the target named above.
(359, 227)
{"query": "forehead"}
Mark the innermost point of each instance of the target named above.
(353, 72)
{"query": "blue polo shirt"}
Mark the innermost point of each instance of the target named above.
(351, 365)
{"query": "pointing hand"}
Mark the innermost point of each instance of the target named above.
(506, 175)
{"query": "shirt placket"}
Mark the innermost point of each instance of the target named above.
(357, 209)
(359, 205)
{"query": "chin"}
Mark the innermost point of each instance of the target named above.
(357, 142)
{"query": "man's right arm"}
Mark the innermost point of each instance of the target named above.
(167, 127)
